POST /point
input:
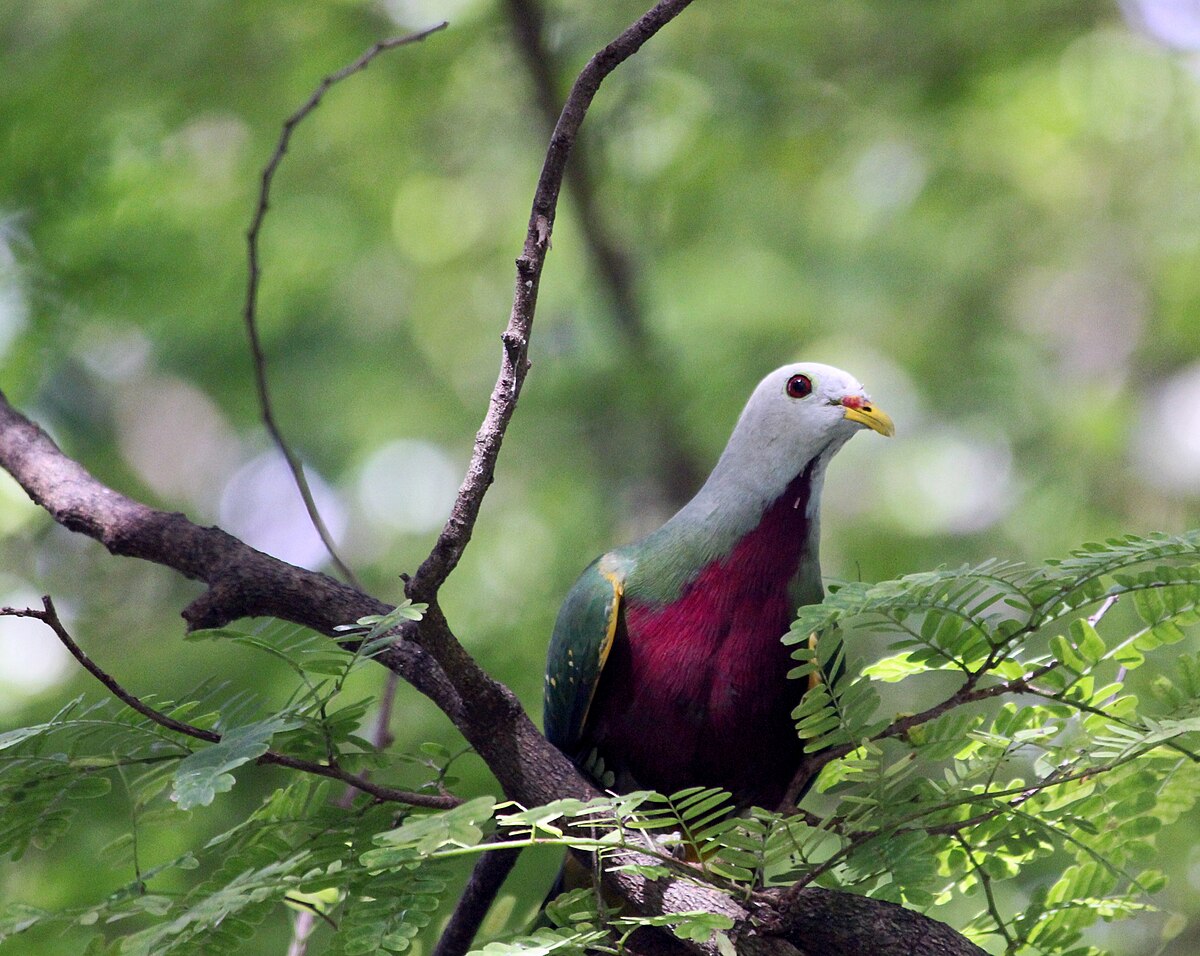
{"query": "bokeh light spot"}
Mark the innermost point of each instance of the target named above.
(14, 306)
(176, 439)
(1119, 84)
(435, 220)
(409, 485)
(1174, 22)
(113, 350)
(888, 176)
(1166, 448)
(948, 483)
(262, 506)
(31, 659)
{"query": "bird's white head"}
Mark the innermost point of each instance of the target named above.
(799, 413)
(795, 421)
(813, 403)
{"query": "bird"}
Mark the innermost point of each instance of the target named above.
(665, 668)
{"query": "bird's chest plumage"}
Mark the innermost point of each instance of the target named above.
(696, 690)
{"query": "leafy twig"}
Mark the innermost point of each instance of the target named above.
(1021, 794)
(966, 694)
(985, 881)
(49, 616)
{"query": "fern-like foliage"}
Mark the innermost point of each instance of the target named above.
(994, 722)
(298, 849)
(1040, 753)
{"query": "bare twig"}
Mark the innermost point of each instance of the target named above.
(49, 616)
(310, 909)
(1105, 605)
(514, 361)
(678, 472)
(254, 274)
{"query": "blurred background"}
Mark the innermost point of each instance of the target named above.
(989, 213)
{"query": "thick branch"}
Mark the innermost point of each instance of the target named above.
(820, 921)
(241, 582)
(487, 876)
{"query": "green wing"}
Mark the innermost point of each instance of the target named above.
(579, 648)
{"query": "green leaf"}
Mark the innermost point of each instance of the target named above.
(379, 626)
(895, 668)
(1065, 653)
(199, 777)
(423, 834)
(1088, 641)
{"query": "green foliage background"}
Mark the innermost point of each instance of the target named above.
(985, 211)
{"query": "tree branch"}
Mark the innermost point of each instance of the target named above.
(677, 471)
(968, 693)
(818, 921)
(487, 876)
(241, 582)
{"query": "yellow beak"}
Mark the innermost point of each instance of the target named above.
(873, 417)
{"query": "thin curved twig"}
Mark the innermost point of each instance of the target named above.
(254, 274)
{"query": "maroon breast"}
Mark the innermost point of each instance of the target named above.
(696, 692)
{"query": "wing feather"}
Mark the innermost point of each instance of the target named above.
(579, 648)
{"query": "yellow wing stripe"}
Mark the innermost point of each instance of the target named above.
(610, 633)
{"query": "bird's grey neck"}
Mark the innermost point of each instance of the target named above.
(732, 503)
(735, 498)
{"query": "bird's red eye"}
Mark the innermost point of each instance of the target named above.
(799, 386)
